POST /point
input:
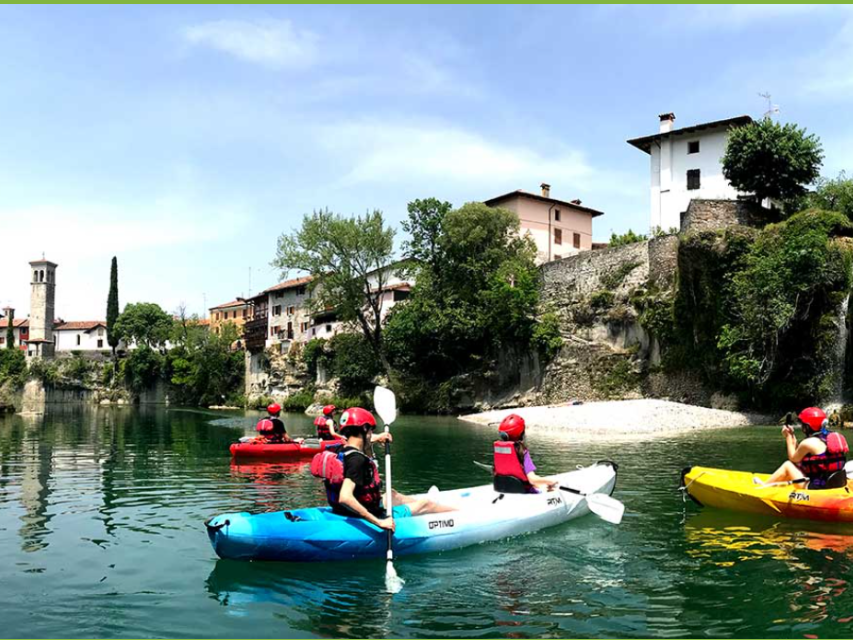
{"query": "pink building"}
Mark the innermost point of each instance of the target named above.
(558, 228)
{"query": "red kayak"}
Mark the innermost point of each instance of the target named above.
(260, 449)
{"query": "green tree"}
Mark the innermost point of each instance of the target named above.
(424, 227)
(113, 336)
(479, 292)
(629, 237)
(349, 259)
(203, 368)
(828, 195)
(353, 362)
(10, 330)
(772, 160)
(144, 323)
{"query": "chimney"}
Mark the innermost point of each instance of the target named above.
(666, 120)
(576, 201)
(546, 190)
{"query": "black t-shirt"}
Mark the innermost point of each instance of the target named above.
(358, 467)
(277, 427)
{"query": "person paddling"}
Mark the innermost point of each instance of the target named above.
(514, 469)
(821, 453)
(326, 424)
(272, 427)
(360, 492)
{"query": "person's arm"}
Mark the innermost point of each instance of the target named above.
(538, 481)
(379, 438)
(284, 435)
(806, 447)
(331, 424)
(347, 499)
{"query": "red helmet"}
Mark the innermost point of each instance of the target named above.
(357, 417)
(512, 427)
(813, 417)
(329, 409)
(274, 409)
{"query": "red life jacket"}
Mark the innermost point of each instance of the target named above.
(818, 468)
(264, 426)
(330, 467)
(323, 431)
(508, 464)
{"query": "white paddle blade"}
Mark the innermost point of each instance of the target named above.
(848, 468)
(385, 403)
(393, 582)
(606, 507)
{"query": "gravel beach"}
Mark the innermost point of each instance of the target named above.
(624, 419)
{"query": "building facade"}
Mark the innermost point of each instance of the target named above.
(236, 312)
(40, 342)
(86, 335)
(686, 164)
(559, 228)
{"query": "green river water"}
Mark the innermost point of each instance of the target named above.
(101, 535)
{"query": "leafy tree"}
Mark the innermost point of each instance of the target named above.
(203, 368)
(828, 195)
(13, 364)
(424, 225)
(349, 259)
(144, 323)
(10, 330)
(629, 237)
(143, 367)
(354, 362)
(772, 160)
(481, 290)
(113, 336)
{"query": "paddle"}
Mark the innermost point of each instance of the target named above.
(783, 483)
(386, 406)
(605, 507)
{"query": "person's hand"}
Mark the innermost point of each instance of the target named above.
(552, 486)
(379, 438)
(387, 524)
(788, 431)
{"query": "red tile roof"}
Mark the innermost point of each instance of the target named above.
(77, 325)
(233, 303)
(289, 284)
(4, 323)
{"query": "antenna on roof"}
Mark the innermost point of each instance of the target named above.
(771, 108)
(249, 292)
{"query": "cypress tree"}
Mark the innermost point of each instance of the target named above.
(112, 307)
(10, 330)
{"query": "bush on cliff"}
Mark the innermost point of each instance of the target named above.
(13, 365)
(758, 310)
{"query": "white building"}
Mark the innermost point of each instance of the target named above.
(685, 164)
(87, 335)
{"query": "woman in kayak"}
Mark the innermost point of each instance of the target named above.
(514, 469)
(817, 457)
(272, 427)
(326, 424)
(360, 493)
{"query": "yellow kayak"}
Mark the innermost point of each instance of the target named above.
(737, 490)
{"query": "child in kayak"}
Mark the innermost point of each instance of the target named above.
(272, 427)
(817, 457)
(360, 493)
(514, 469)
(326, 424)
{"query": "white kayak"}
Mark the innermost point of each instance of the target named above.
(483, 515)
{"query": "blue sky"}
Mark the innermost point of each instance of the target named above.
(185, 139)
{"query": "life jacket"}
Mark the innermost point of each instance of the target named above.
(507, 463)
(329, 465)
(818, 468)
(265, 427)
(323, 431)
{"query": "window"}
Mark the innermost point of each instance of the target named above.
(217, 316)
(100, 344)
(576, 240)
(100, 331)
(556, 215)
(78, 340)
(557, 256)
(276, 310)
(558, 236)
(300, 291)
(693, 179)
(693, 147)
(400, 295)
(328, 328)
(2, 340)
(290, 311)
(243, 313)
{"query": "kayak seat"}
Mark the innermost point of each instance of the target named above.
(837, 480)
(508, 484)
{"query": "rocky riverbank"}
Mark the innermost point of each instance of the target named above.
(624, 419)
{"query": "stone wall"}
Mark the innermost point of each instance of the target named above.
(704, 215)
(582, 273)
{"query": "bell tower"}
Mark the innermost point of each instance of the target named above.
(40, 343)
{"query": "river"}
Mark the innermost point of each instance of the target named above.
(101, 535)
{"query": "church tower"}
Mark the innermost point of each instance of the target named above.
(40, 343)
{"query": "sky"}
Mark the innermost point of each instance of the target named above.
(185, 139)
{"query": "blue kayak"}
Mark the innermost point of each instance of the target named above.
(482, 515)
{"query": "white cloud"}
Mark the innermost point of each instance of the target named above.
(275, 43)
(433, 153)
(736, 16)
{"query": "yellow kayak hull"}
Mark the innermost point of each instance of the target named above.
(736, 490)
